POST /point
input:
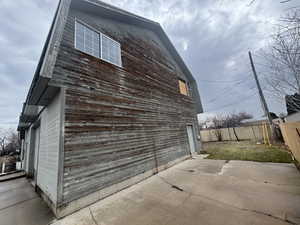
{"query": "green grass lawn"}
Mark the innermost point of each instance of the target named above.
(246, 151)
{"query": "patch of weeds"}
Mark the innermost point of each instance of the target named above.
(248, 152)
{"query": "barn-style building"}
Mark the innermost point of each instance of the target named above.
(111, 103)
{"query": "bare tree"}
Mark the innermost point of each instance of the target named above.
(13, 143)
(218, 122)
(9, 141)
(3, 140)
(283, 57)
(229, 121)
(235, 120)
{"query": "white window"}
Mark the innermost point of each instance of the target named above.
(111, 50)
(97, 44)
(79, 39)
(87, 40)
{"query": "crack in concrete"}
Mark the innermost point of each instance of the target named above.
(93, 218)
(268, 214)
(188, 197)
(230, 205)
(186, 170)
(177, 188)
(268, 182)
(222, 173)
(17, 203)
(224, 167)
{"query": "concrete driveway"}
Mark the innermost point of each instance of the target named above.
(20, 205)
(207, 192)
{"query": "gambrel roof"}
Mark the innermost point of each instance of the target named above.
(41, 93)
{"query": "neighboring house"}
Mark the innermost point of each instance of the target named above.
(111, 103)
(293, 108)
(295, 117)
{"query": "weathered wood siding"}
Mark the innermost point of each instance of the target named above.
(119, 122)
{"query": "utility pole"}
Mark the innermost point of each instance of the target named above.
(261, 94)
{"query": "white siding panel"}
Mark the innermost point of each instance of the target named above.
(49, 149)
(27, 149)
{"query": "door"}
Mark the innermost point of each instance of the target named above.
(191, 139)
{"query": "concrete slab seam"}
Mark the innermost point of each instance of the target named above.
(224, 203)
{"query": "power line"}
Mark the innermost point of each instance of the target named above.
(227, 90)
(226, 96)
(247, 98)
(226, 81)
(220, 81)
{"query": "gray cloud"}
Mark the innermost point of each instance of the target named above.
(212, 36)
(24, 26)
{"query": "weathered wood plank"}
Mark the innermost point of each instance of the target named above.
(119, 122)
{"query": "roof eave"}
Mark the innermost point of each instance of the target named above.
(41, 92)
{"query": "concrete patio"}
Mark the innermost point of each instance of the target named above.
(193, 192)
(203, 192)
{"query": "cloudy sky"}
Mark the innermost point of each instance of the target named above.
(212, 36)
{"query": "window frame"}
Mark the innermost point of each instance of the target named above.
(100, 42)
(118, 43)
(186, 87)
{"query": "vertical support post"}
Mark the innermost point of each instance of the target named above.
(267, 135)
(264, 135)
(254, 133)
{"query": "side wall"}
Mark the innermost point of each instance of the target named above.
(48, 163)
(119, 122)
(49, 123)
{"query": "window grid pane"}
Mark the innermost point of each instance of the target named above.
(111, 50)
(79, 36)
(97, 44)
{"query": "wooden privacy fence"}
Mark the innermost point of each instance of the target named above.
(255, 133)
(291, 136)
